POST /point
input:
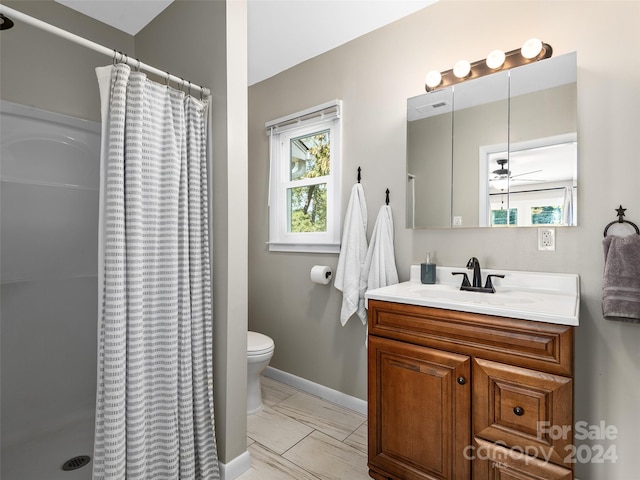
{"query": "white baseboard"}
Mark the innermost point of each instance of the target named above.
(326, 393)
(235, 467)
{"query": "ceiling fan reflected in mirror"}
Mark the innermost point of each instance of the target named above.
(503, 173)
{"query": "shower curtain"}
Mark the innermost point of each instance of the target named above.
(154, 406)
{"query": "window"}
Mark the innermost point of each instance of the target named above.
(304, 188)
(531, 206)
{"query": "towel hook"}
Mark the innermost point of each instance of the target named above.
(621, 211)
(359, 170)
(387, 199)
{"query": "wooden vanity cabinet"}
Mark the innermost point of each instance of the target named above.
(456, 395)
(422, 407)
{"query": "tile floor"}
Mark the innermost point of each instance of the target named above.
(301, 437)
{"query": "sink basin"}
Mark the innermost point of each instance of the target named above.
(543, 297)
(454, 294)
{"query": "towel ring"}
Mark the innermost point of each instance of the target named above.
(621, 211)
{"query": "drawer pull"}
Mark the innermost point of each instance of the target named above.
(462, 380)
(519, 411)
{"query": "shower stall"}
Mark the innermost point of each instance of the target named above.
(49, 224)
(49, 189)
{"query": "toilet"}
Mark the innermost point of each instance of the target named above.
(259, 352)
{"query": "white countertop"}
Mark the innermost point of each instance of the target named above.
(542, 297)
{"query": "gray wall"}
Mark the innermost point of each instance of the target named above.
(374, 75)
(48, 72)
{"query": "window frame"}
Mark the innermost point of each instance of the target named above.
(317, 119)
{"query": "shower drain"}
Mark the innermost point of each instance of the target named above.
(76, 462)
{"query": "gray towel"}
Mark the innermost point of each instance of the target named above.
(621, 286)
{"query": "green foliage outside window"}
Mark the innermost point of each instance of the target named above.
(308, 204)
(309, 208)
(499, 217)
(546, 215)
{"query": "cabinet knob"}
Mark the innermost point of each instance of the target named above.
(519, 411)
(462, 380)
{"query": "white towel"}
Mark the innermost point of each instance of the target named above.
(567, 209)
(353, 252)
(380, 265)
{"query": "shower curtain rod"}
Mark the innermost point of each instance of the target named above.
(124, 58)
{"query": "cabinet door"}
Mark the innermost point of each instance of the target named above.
(524, 409)
(419, 412)
(493, 462)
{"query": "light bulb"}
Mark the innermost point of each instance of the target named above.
(433, 79)
(531, 48)
(500, 184)
(495, 59)
(462, 69)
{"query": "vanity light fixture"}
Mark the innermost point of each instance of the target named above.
(462, 69)
(495, 59)
(433, 79)
(531, 51)
(531, 48)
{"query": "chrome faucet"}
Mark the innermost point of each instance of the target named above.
(476, 285)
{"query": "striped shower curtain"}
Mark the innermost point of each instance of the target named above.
(154, 405)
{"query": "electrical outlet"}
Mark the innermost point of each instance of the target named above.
(546, 238)
(457, 221)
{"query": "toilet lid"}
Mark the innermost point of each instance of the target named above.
(258, 343)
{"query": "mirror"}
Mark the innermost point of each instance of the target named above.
(500, 150)
(429, 173)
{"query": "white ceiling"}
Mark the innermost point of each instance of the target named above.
(130, 16)
(284, 33)
(281, 33)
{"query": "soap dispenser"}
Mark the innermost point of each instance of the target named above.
(428, 270)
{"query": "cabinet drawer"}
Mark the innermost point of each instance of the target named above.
(536, 345)
(493, 462)
(518, 407)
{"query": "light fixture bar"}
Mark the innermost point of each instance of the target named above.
(479, 68)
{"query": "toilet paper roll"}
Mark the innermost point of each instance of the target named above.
(321, 274)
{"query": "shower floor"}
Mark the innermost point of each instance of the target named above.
(42, 458)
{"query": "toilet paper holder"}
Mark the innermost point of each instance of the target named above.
(321, 274)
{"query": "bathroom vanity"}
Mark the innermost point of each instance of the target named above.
(472, 385)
